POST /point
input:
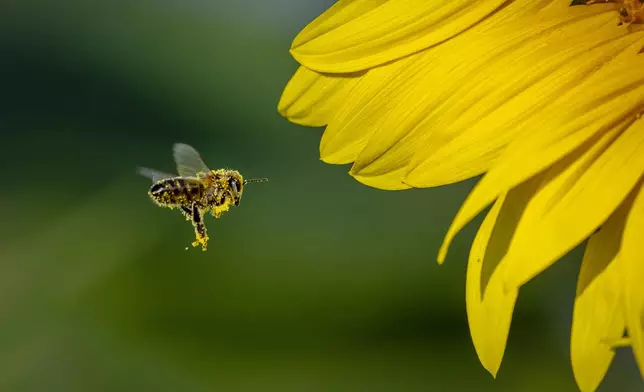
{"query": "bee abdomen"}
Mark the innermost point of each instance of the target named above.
(176, 192)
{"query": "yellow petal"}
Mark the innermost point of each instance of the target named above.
(608, 97)
(357, 35)
(312, 99)
(339, 14)
(455, 127)
(489, 306)
(632, 271)
(624, 341)
(598, 315)
(395, 175)
(358, 117)
(571, 205)
(494, 107)
(386, 118)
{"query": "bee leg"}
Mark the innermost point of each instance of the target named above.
(187, 212)
(200, 228)
(220, 209)
(219, 205)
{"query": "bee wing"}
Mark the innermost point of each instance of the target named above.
(152, 174)
(188, 160)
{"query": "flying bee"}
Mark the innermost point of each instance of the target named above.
(196, 189)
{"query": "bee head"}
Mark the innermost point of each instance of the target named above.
(235, 186)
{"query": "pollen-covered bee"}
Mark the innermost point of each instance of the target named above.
(196, 189)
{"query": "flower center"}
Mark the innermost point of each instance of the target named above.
(631, 11)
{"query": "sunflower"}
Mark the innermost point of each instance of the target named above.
(543, 98)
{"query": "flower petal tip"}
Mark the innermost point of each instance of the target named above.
(407, 183)
(282, 106)
(617, 343)
(333, 159)
(491, 364)
(302, 122)
(442, 251)
(309, 62)
(282, 111)
(414, 179)
(442, 254)
(378, 182)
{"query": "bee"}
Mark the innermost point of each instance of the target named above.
(196, 190)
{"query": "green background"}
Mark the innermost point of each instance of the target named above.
(316, 283)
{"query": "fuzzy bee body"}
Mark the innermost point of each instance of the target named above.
(177, 192)
(196, 190)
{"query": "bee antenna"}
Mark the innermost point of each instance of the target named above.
(255, 180)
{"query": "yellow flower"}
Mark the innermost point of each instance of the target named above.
(543, 98)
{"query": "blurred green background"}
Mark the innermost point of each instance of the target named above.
(316, 283)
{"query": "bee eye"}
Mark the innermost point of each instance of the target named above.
(234, 184)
